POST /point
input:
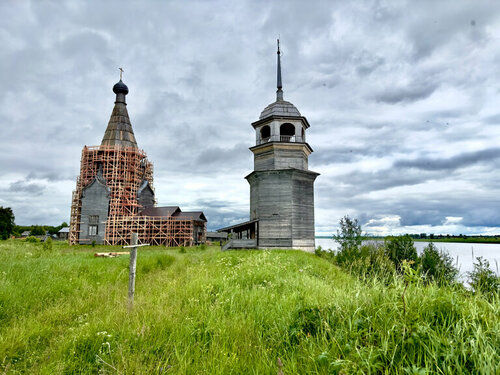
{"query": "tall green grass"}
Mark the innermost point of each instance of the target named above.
(62, 311)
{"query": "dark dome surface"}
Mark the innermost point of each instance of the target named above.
(280, 108)
(120, 88)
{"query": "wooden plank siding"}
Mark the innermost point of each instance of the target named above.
(283, 201)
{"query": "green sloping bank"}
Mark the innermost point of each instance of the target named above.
(203, 311)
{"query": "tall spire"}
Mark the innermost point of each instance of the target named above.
(119, 131)
(279, 92)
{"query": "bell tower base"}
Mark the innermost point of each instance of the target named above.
(282, 200)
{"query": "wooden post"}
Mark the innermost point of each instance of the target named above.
(131, 276)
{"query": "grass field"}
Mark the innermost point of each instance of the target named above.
(240, 312)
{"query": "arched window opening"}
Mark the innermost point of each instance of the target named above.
(287, 132)
(265, 133)
(303, 135)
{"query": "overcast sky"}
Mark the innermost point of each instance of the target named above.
(402, 97)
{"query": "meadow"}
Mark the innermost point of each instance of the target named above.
(202, 311)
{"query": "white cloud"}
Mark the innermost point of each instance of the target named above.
(450, 220)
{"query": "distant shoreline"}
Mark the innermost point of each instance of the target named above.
(450, 239)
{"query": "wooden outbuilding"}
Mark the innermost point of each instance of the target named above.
(62, 234)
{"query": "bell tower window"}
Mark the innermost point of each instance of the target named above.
(287, 132)
(265, 134)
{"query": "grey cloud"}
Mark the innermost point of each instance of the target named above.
(433, 211)
(218, 215)
(414, 214)
(412, 92)
(427, 31)
(458, 161)
(50, 175)
(425, 209)
(27, 187)
(345, 154)
(83, 45)
(368, 63)
(357, 183)
(482, 217)
(218, 156)
(327, 156)
(495, 119)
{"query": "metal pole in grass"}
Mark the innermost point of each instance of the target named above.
(133, 262)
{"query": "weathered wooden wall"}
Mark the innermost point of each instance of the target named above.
(283, 201)
(303, 210)
(282, 156)
(95, 201)
(146, 197)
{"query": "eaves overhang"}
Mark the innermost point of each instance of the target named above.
(291, 170)
(274, 143)
(275, 117)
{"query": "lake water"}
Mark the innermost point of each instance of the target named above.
(463, 253)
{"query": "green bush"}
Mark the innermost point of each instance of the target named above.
(366, 261)
(401, 248)
(349, 235)
(47, 245)
(318, 251)
(349, 239)
(437, 265)
(32, 239)
(482, 279)
(370, 261)
(326, 254)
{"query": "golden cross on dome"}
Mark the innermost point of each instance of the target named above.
(121, 72)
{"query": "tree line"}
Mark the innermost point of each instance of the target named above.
(9, 228)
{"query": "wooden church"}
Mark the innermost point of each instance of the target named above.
(114, 195)
(281, 185)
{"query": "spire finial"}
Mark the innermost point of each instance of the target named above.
(279, 93)
(121, 72)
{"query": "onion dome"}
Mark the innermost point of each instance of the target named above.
(120, 88)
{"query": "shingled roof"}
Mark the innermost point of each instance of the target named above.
(160, 211)
(194, 215)
(119, 130)
(173, 211)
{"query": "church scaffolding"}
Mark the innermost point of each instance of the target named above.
(153, 230)
(123, 169)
